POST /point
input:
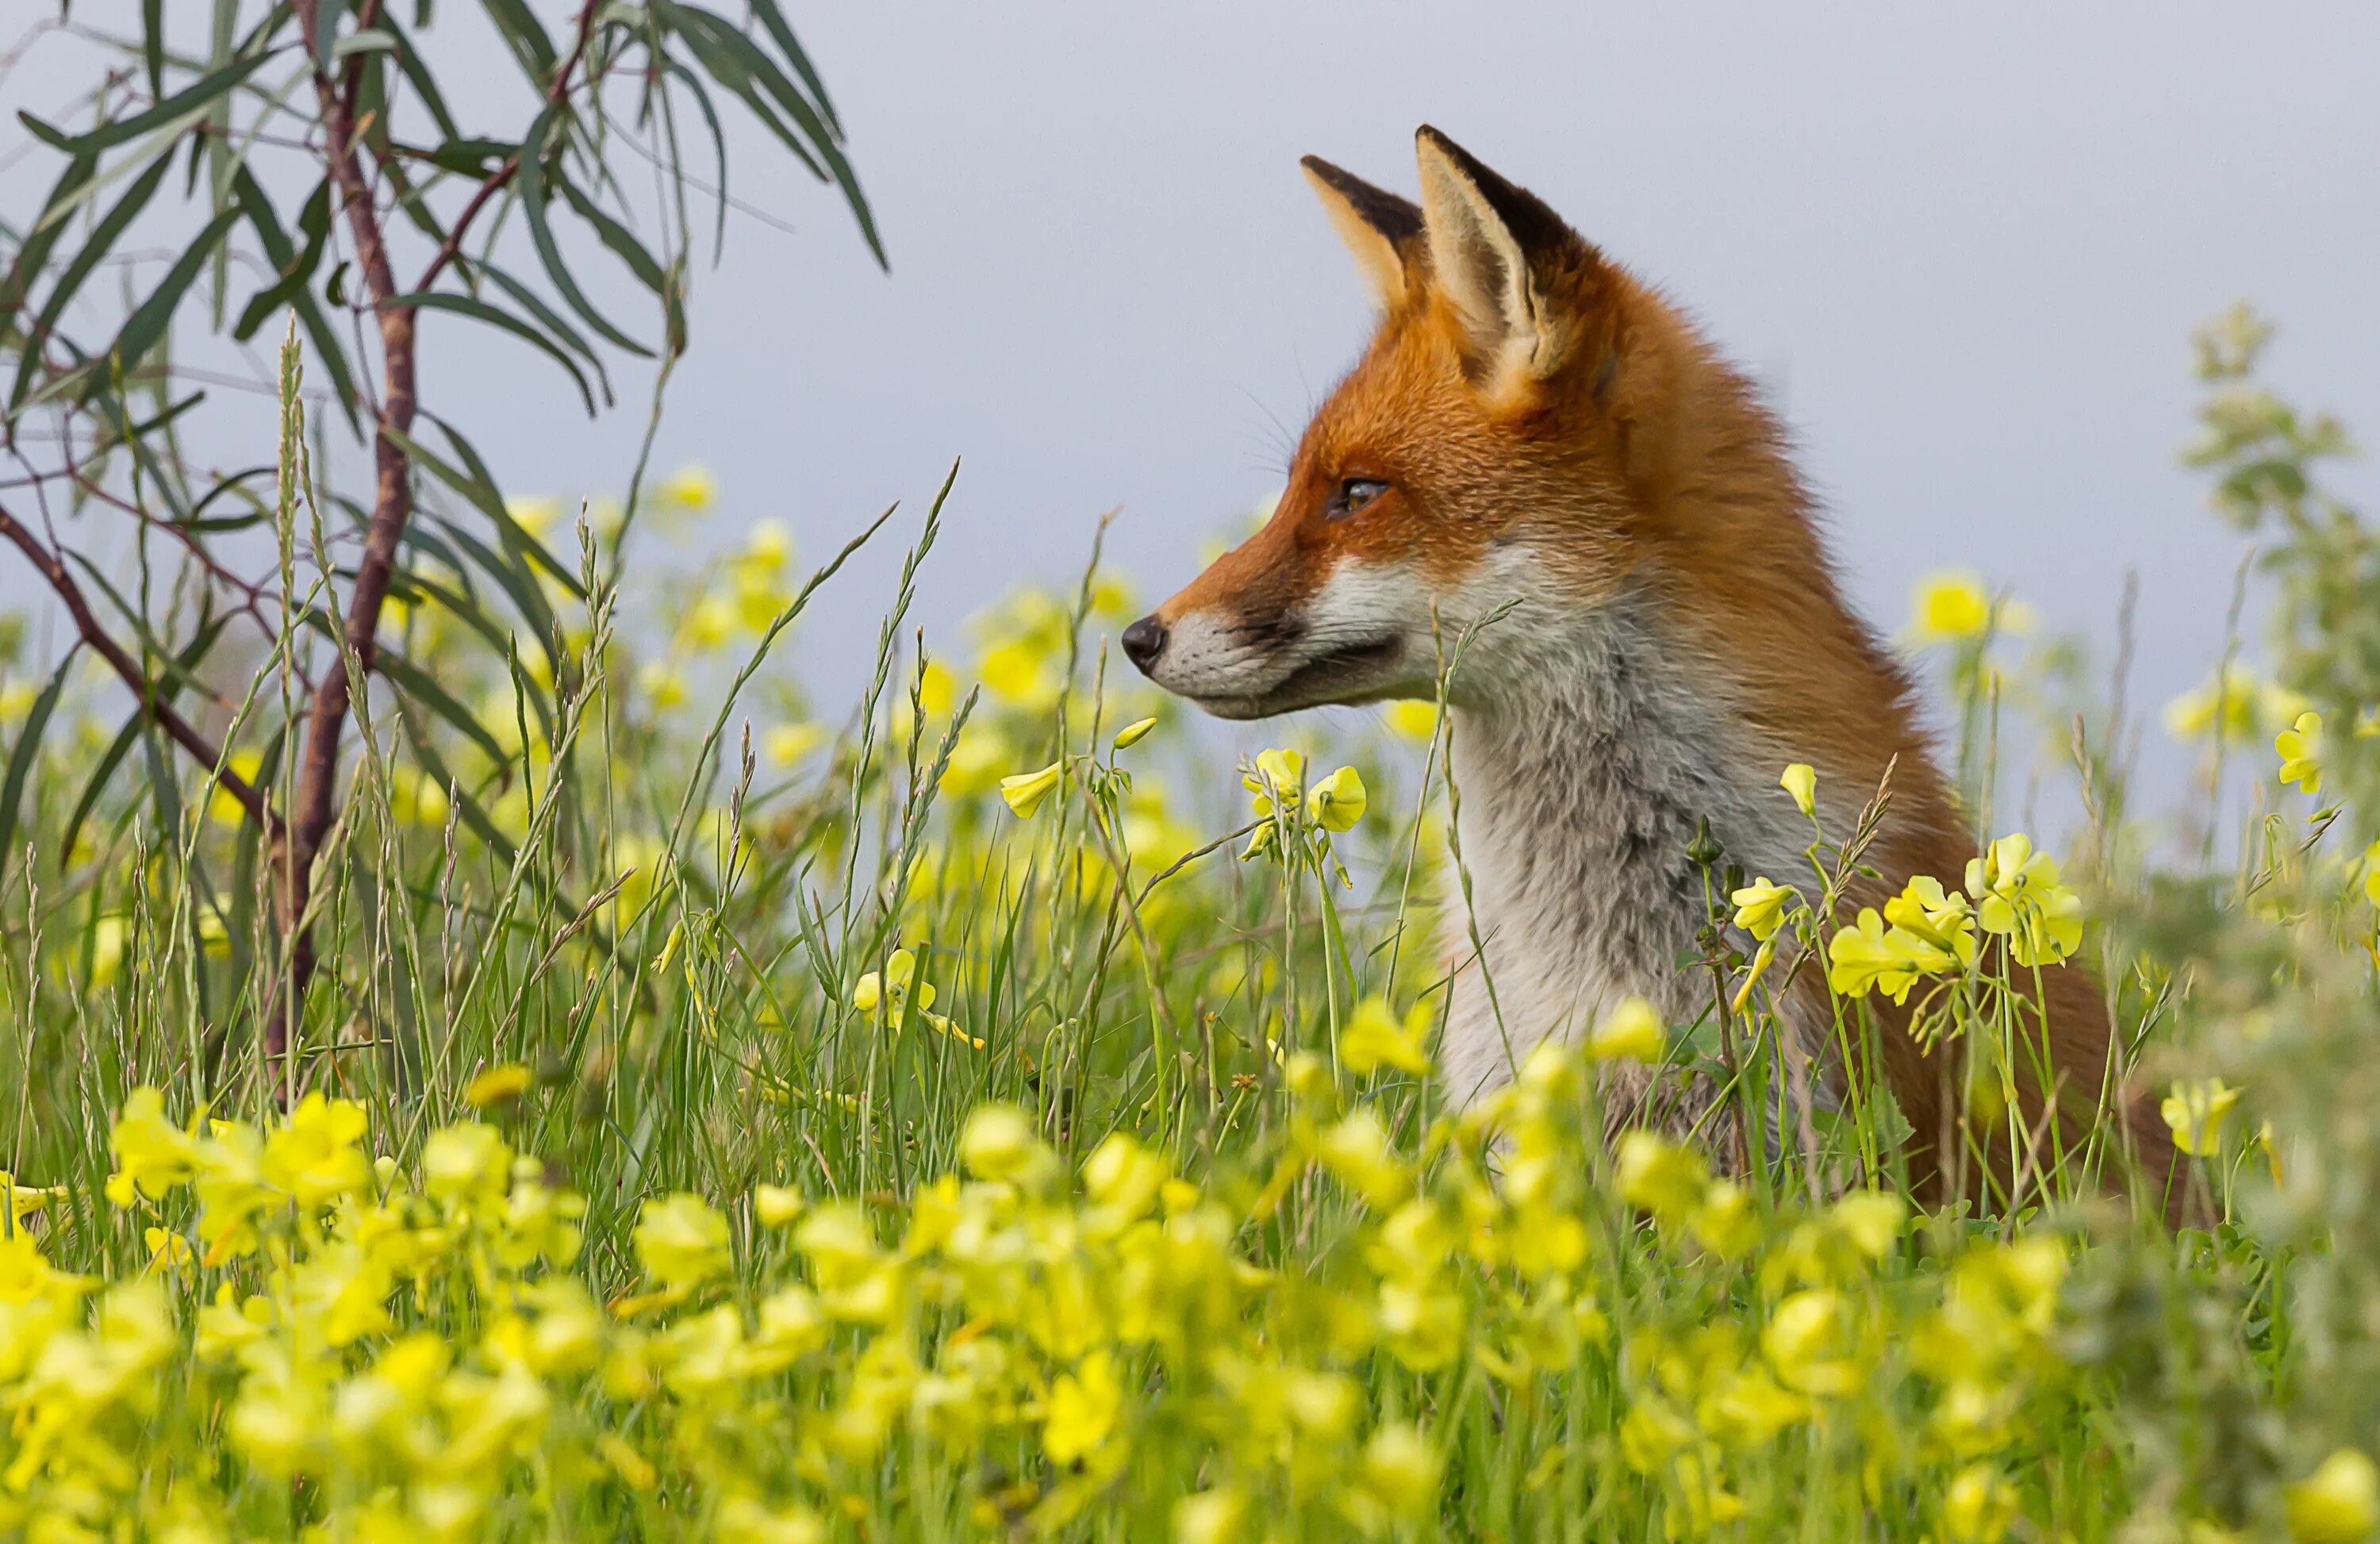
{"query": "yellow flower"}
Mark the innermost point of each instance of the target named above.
(2371, 873)
(534, 514)
(1373, 1038)
(681, 1241)
(1804, 1342)
(788, 743)
(417, 797)
(498, 1084)
(1863, 956)
(16, 700)
(1978, 1507)
(664, 685)
(708, 623)
(1801, 779)
(1948, 606)
(168, 1251)
(1023, 672)
(2227, 703)
(1412, 720)
(2017, 893)
(776, 1205)
(1402, 1469)
(1279, 776)
(224, 809)
(768, 546)
(1337, 802)
(1660, 1177)
(893, 991)
(1630, 1032)
(1132, 734)
(691, 486)
(1760, 907)
(2339, 1503)
(2301, 753)
(2195, 1113)
(1939, 917)
(1082, 1409)
(313, 1154)
(20, 1201)
(1872, 1220)
(999, 1143)
(152, 1154)
(1209, 1517)
(1027, 792)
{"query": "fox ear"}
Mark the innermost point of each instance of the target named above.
(1492, 247)
(1383, 230)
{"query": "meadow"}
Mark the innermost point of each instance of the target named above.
(979, 1113)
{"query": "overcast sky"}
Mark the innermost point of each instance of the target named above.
(1963, 246)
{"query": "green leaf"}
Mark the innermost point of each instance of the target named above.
(33, 254)
(522, 30)
(516, 538)
(417, 75)
(696, 25)
(21, 760)
(774, 20)
(326, 32)
(148, 325)
(164, 691)
(192, 99)
(62, 292)
(532, 188)
(532, 302)
(615, 236)
(480, 311)
(419, 684)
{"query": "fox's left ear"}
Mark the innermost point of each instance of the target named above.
(1493, 250)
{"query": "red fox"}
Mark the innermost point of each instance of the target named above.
(1532, 430)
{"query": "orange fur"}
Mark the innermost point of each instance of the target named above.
(1664, 474)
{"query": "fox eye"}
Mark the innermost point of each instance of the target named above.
(1352, 495)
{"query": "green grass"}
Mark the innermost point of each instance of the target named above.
(1224, 1265)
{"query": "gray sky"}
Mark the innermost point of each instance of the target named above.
(1962, 245)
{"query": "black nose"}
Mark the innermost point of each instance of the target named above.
(1144, 640)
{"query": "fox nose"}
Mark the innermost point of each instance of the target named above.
(1144, 640)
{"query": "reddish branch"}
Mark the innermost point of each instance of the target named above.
(52, 569)
(326, 716)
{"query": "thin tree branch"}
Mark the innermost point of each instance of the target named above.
(503, 176)
(182, 732)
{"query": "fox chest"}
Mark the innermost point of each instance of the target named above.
(1572, 845)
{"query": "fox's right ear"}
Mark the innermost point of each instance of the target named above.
(1384, 231)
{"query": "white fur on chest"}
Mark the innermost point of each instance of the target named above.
(1584, 765)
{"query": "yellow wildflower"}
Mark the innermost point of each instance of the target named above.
(1660, 1177)
(1402, 1469)
(1132, 734)
(691, 488)
(891, 990)
(1082, 1409)
(313, 1154)
(152, 1154)
(1801, 779)
(1279, 776)
(498, 1084)
(1374, 1037)
(1979, 1506)
(2301, 751)
(1630, 1032)
(2339, 1503)
(2016, 895)
(681, 1241)
(1027, 792)
(1413, 719)
(1949, 606)
(168, 1251)
(1760, 907)
(2196, 1112)
(1337, 802)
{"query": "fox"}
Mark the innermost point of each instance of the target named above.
(1539, 453)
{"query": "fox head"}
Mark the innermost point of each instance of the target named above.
(1511, 438)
